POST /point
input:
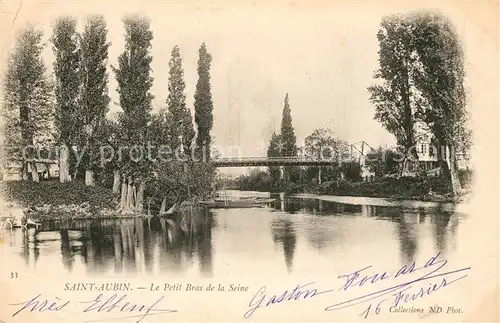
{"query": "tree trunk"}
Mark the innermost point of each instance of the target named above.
(64, 164)
(445, 170)
(163, 205)
(34, 173)
(47, 172)
(123, 196)
(452, 167)
(130, 194)
(139, 205)
(443, 158)
(455, 181)
(89, 177)
(403, 166)
(24, 172)
(116, 181)
(408, 114)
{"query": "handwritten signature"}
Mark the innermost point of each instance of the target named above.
(100, 304)
(401, 291)
(261, 299)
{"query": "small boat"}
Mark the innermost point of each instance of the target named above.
(222, 201)
(31, 223)
(14, 218)
(237, 203)
(10, 223)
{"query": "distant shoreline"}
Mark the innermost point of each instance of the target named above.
(387, 202)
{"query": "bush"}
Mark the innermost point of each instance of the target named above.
(403, 188)
(465, 177)
(28, 194)
(256, 180)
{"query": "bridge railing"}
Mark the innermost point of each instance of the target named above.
(214, 160)
(29, 160)
(271, 159)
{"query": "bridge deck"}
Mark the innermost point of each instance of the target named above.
(237, 162)
(263, 161)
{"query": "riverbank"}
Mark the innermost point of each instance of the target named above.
(58, 201)
(435, 189)
(386, 202)
(51, 200)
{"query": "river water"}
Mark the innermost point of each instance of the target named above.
(292, 235)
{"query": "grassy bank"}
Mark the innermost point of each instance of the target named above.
(424, 189)
(56, 200)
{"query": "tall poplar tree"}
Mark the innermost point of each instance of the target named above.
(440, 78)
(287, 131)
(203, 105)
(27, 99)
(94, 98)
(422, 73)
(288, 140)
(393, 98)
(66, 70)
(134, 84)
(176, 104)
(274, 150)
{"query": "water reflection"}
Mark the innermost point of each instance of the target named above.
(445, 227)
(407, 224)
(283, 232)
(407, 233)
(314, 206)
(127, 245)
(188, 240)
(320, 235)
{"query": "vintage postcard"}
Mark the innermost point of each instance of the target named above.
(249, 161)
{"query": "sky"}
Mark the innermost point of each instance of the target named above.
(323, 55)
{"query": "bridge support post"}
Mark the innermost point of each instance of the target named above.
(282, 173)
(319, 175)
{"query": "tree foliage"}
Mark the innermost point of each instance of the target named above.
(323, 144)
(287, 131)
(67, 86)
(383, 161)
(203, 105)
(176, 185)
(256, 180)
(275, 149)
(440, 79)
(28, 100)
(134, 84)
(395, 100)
(94, 79)
(182, 122)
(291, 173)
(422, 73)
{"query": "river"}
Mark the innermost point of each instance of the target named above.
(290, 236)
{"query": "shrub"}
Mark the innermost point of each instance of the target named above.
(28, 193)
(465, 177)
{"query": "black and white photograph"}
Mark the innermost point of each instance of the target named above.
(281, 161)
